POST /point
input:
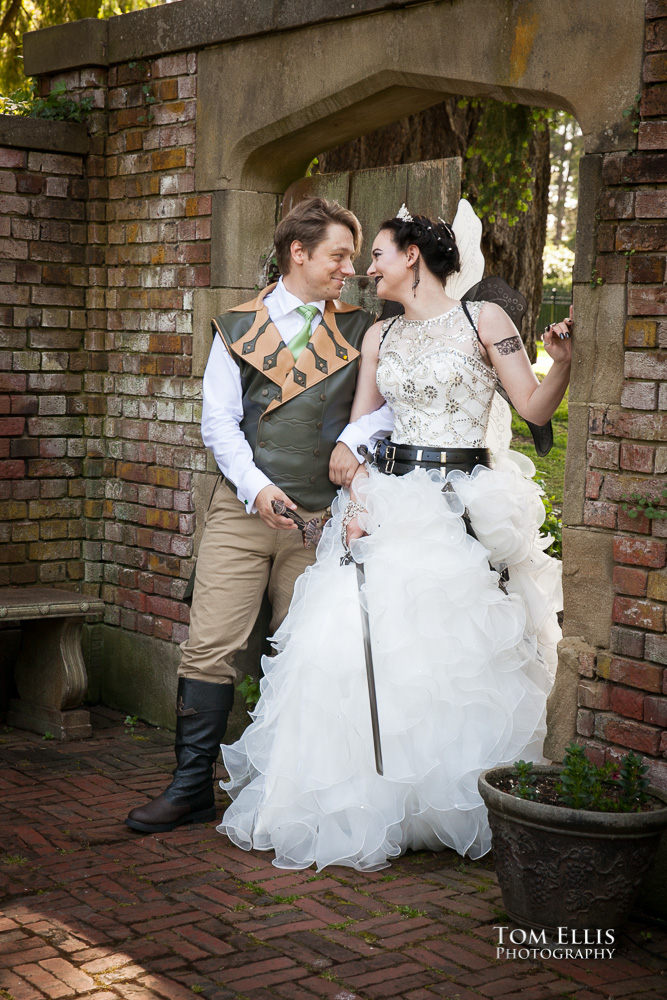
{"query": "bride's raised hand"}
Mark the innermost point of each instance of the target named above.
(558, 340)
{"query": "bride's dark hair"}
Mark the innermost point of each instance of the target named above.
(435, 240)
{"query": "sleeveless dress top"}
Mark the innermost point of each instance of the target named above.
(438, 387)
(462, 668)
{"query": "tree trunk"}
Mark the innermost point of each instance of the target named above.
(436, 133)
(444, 130)
(515, 253)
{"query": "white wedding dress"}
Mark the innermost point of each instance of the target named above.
(462, 669)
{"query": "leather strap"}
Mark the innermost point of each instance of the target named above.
(399, 459)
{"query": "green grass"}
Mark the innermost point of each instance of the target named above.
(551, 468)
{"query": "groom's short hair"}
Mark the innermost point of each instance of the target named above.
(308, 223)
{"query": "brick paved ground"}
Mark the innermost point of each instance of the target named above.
(92, 910)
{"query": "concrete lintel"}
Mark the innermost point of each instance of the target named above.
(38, 133)
(66, 46)
(178, 27)
(373, 70)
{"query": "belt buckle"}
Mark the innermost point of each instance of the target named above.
(390, 458)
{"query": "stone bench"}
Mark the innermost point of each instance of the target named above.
(50, 673)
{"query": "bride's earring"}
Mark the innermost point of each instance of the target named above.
(415, 280)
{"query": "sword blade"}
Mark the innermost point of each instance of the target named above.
(370, 674)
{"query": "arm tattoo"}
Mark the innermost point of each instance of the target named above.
(509, 345)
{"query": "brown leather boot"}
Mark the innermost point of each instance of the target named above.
(201, 720)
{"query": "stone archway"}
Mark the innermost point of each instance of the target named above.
(276, 87)
(373, 70)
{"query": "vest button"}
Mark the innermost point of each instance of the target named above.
(319, 425)
(262, 444)
(312, 479)
(265, 392)
(316, 453)
(323, 396)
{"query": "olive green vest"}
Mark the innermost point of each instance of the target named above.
(293, 413)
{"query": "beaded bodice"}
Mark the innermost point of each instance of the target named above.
(432, 375)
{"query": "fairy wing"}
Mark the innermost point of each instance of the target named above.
(468, 232)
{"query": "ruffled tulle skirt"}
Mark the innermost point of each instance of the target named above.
(462, 672)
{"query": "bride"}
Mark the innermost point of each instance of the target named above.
(460, 596)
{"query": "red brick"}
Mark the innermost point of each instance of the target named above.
(649, 270)
(642, 235)
(642, 426)
(630, 581)
(594, 481)
(12, 426)
(629, 611)
(131, 599)
(168, 478)
(594, 694)
(12, 469)
(616, 203)
(627, 703)
(601, 515)
(639, 551)
(655, 711)
(164, 608)
(165, 519)
(631, 520)
(168, 159)
(637, 457)
(654, 100)
(647, 300)
(641, 333)
(162, 628)
(632, 734)
(656, 36)
(13, 158)
(611, 269)
(639, 395)
(585, 722)
(69, 974)
(644, 676)
(603, 454)
(652, 135)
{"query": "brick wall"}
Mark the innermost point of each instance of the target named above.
(101, 472)
(43, 280)
(623, 689)
(148, 248)
(151, 246)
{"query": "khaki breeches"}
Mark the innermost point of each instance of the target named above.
(238, 556)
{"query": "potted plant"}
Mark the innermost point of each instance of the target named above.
(572, 843)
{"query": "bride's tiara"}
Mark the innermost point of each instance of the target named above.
(405, 216)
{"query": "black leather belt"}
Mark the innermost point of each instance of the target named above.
(398, 459)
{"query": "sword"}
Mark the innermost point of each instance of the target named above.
(368, 654)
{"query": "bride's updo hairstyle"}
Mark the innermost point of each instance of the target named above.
(435, 240)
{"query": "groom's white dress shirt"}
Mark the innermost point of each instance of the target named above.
(222, 409)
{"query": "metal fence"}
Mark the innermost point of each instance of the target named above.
(555, 307)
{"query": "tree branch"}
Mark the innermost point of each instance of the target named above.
(9, 17)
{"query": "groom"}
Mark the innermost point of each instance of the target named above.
(277, 394)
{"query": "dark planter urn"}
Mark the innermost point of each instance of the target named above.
(560, 867)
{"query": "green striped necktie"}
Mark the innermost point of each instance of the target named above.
(299, 341)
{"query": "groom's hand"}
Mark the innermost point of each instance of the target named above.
(265, 510)
(343, 465)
